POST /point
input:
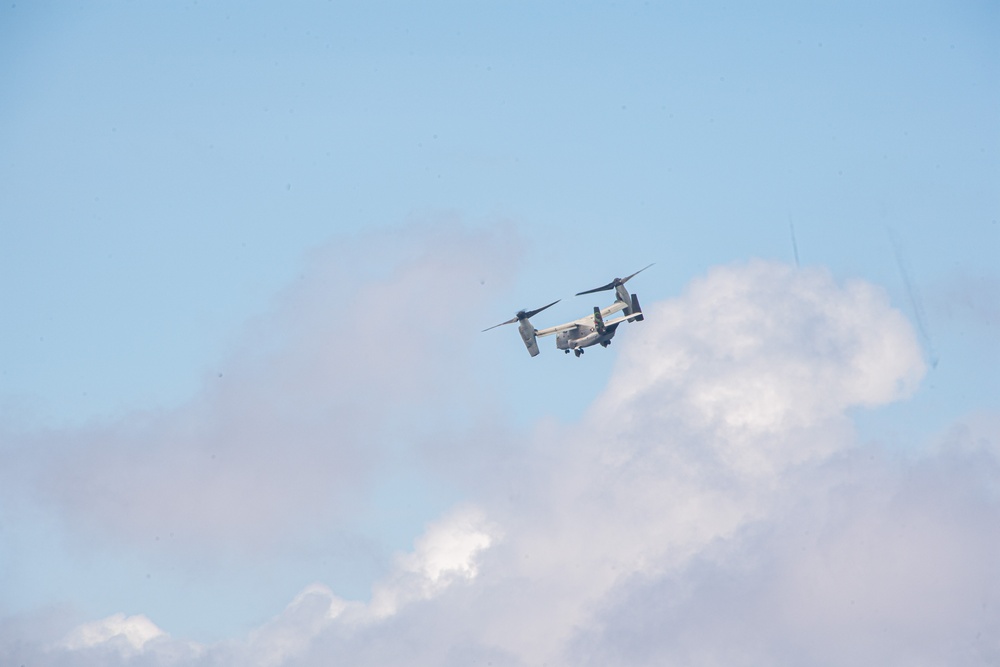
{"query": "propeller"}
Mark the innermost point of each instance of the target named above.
(615, 283)
(523, 315)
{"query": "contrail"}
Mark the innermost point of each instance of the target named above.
(795, 245)
(915, 302)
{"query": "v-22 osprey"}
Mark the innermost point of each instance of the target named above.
(591, 329)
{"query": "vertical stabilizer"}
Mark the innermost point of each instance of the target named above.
(598, 321)
(635, 312)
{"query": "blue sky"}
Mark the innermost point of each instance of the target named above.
(247, 252)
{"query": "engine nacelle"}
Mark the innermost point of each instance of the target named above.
(622, 295)
(528, 336)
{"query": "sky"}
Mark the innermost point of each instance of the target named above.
(248, 414)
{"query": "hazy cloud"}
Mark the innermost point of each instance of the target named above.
(286, 432)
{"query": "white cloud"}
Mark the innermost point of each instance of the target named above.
(713, 507)
(445, 553)
(121, 639)
(751, 353)
(130, 633)
(444, 556)
(310, 613)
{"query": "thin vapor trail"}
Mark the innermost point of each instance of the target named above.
(914, 295)
(795, 245)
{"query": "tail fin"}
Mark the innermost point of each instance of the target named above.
(598, 321)
(636, 311)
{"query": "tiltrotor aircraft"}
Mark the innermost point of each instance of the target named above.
(591, 329)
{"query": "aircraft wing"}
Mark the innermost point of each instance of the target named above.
(548, 331)
(585, 321)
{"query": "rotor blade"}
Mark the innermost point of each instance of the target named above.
(501, 324)
(625, 280)
(532, 313)
(610, 285)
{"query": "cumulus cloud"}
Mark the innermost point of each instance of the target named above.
(713, 506)
(754, 352)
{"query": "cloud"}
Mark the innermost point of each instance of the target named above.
(445, 553)
(719, 398)
(713, 506)
(287, 432)
(760, 350)
(867, 559)
(444, 556)
(127, 634)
